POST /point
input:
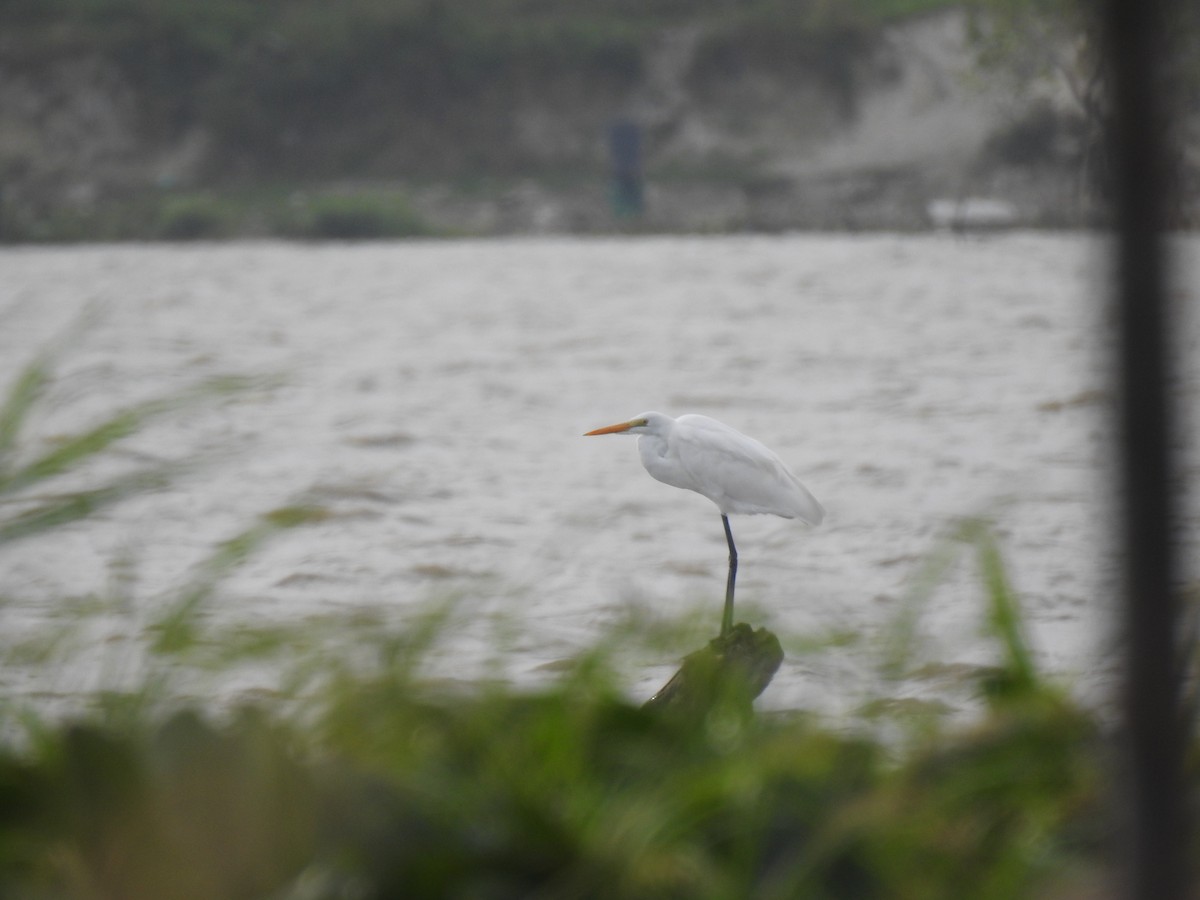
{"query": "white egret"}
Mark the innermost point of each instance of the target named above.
(737, 473)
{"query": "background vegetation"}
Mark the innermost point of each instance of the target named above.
(206, 119)
(276, 83)
(325, 98)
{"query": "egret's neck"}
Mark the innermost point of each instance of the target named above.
(656, 457)
(652, 448)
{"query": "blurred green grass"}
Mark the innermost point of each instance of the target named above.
(326, 213)
(31, 468)
(362, 777)
(382, 784)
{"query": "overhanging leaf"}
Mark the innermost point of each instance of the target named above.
(74, 451)
(21, 398)
(66, 508)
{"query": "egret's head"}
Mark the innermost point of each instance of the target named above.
(637, 425)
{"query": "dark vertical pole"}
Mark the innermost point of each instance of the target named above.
(1135, 48)
(625, 149)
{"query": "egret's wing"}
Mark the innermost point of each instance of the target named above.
(738, 473)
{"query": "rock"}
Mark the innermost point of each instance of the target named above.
(734, 667)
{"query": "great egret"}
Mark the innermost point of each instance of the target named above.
(735, 472)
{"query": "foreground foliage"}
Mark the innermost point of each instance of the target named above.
(369, 781)
(397, 789)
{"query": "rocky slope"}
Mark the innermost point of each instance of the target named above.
(901, 130)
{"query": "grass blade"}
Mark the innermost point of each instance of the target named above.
(21, 398)
(76, 450)
(63, 510)
(901, 637)
(1005, 614)
(175, 631)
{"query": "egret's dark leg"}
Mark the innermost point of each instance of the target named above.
(727, 618)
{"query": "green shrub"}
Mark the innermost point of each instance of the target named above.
(192, 217)
(352, 217)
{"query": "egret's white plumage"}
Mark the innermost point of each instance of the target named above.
(736, 472)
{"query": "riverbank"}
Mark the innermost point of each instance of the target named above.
(220, 127)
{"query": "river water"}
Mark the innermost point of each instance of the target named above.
(431, 396)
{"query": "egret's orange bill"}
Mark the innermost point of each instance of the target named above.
(613, 429)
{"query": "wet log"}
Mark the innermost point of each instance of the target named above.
(734, 667)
